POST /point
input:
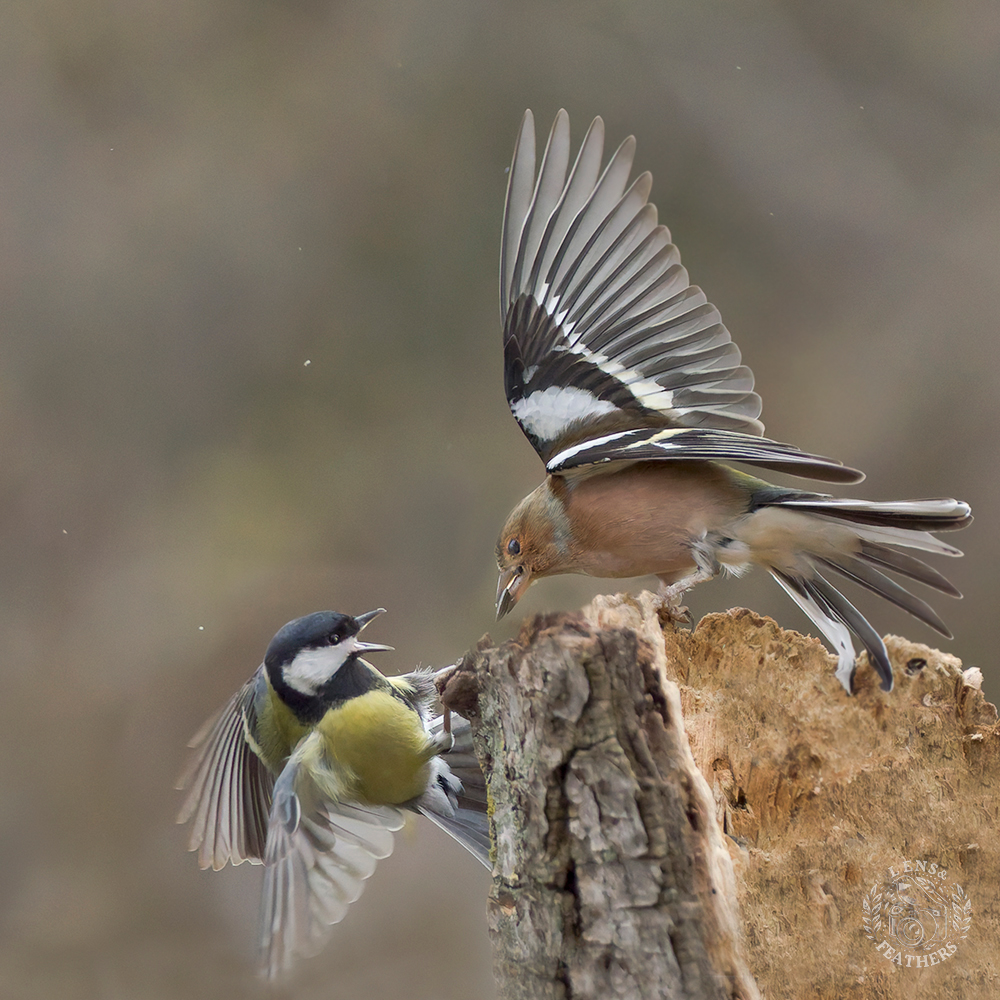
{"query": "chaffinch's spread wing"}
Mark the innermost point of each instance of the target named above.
(610, 354)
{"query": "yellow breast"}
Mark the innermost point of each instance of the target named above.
(278, 731)
(378, 747)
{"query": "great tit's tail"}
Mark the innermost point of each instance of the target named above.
(456, 798)
(319, 854)
(802, 537)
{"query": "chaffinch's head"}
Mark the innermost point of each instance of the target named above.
(530, 545)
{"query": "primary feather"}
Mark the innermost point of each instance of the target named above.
(594, 298)
(229, 785)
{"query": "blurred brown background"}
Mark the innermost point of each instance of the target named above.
(197, 198)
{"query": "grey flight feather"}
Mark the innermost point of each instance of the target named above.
(318, 856)
(601, 324)
(229, 786)
(466, 816)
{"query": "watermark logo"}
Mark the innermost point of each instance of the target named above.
(916, 915)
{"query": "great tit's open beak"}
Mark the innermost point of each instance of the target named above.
(511, 586)
(368, 616)
(370, 647)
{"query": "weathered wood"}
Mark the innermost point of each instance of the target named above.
(630, 766)
(612, 876)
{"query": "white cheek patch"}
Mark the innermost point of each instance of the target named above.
(547, 413)
(312, 668)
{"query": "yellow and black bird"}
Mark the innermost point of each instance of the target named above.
(629, 387)
(307, 768)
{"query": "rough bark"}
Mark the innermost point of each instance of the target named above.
(612, 876)
(700, 814)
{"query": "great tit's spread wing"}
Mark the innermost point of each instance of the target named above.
(230, 787)
(602, 329)
(319, 854)
(644, 444)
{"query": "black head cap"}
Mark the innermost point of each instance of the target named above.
(321, 628)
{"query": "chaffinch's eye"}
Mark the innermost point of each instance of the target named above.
(514, 547)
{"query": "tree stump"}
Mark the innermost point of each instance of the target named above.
(707, 814)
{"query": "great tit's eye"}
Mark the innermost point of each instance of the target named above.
(514, 547)
(334, 639)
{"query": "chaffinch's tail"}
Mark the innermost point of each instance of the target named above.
(801, 537)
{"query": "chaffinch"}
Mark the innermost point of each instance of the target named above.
(631, 390)
(307, 767)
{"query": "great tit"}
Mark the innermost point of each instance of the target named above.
(631, 390)
(306, 770)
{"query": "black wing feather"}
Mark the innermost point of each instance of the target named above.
(602, 329)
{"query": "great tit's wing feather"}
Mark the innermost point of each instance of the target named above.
(468, 823)
(456, 799)
(645, 444)
(318, 855)
(229, 793)
(602, 329)
(470, 828)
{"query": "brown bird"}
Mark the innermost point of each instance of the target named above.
(631, 390)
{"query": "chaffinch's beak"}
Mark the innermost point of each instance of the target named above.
(512, 584)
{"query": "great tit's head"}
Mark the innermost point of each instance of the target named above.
(530, 545)
(306, 653)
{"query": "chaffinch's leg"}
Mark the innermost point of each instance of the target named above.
(707, 566)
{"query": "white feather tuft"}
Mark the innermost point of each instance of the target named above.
(548, 413)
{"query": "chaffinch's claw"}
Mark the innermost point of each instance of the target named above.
(675, 614)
